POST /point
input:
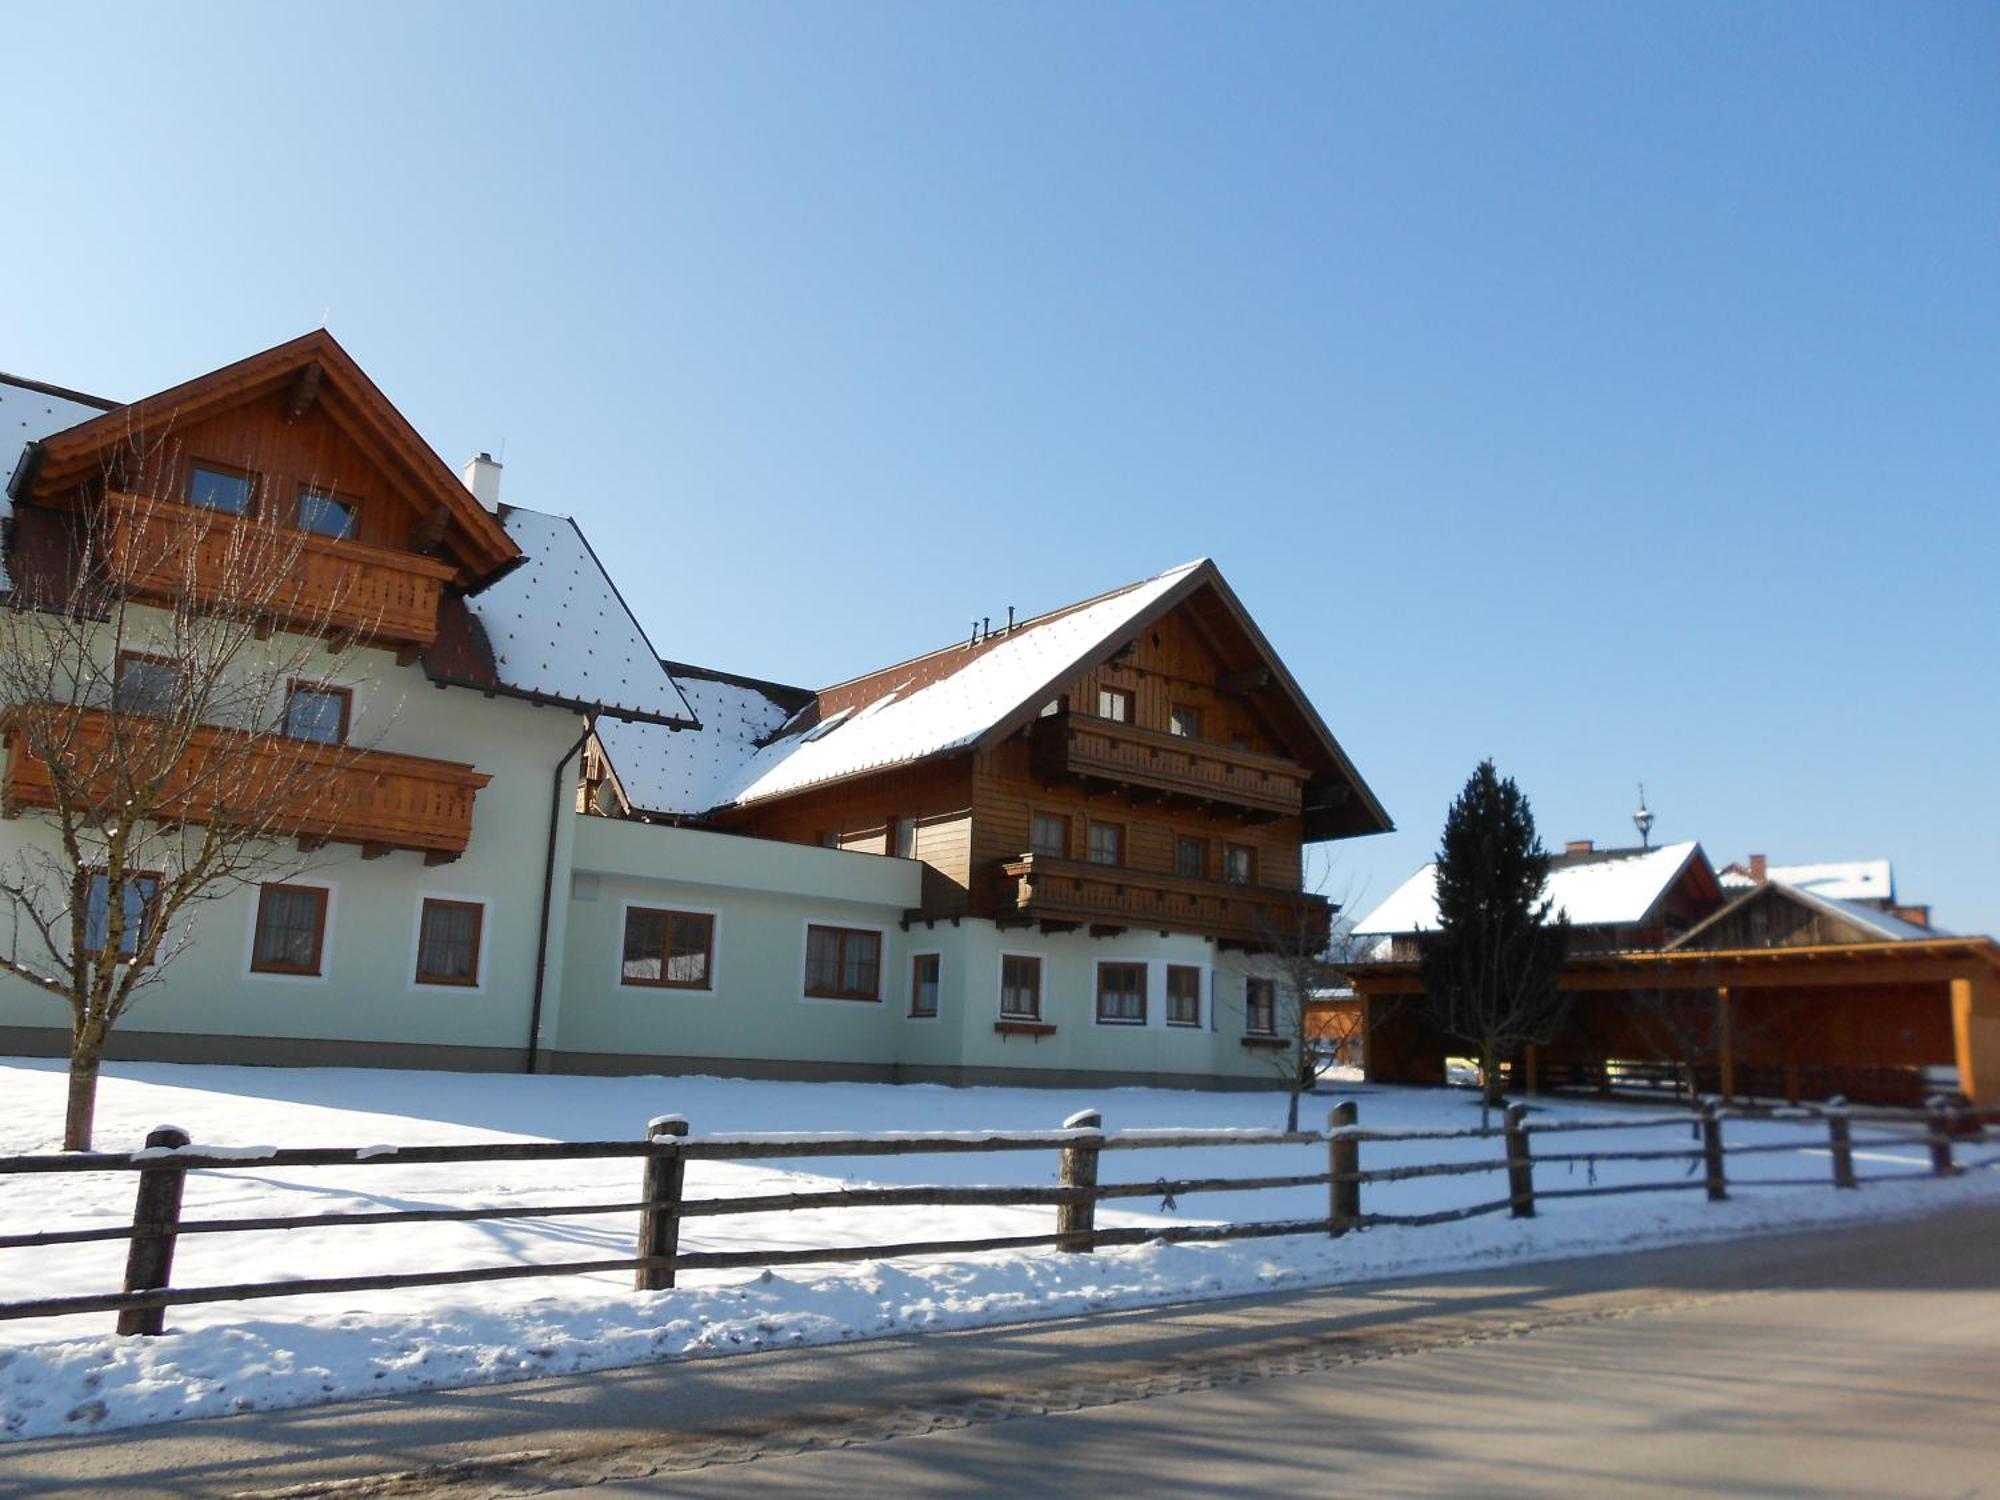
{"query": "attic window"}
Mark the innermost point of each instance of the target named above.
(326, 514)
(214, 487)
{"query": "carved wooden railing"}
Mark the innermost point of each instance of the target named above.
(289, 788)
(378, 594)
(1077, 745)
(1039, 889)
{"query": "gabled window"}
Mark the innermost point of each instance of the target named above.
(843, 963)
(150, 685)
(1183, 995)
(1191, 857)
(1121, 994)
(291, 930)
(1260, 1007)
(219, 487)
(1107, 844)
(1048, 836)
(448, 934)
(925, 971)
(1239, 864)
(324, 513)
(1186, 721)
(314, 711)
(668, 950)
(140, 904)
(1020, 987)
(1114, 704)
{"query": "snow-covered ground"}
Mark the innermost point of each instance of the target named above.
(71, 1375)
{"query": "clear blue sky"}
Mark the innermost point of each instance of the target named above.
(1610, 389)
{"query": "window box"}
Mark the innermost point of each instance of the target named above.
(1024, 1028)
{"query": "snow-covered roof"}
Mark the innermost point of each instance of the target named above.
(682, 774)
(1891, 928)
(559, 629)
(1843, 880)
(29, 413)
(1611, 890)
(927, 713)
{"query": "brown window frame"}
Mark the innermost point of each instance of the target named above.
(1125, 696)
(251, 505)
(1269, 1006)
(149, 910)
(1090, 844)
(840, 963)
(1250, 878)
(478, 910)
(937, 983)
(352, 502)
(1183, 842)
(1068, 839)
(317, 968)
(1174, 712)
(667, 913)
(298, 685)
(152, 658)
(1145, 996)
(1035, 960)
(1195, 970)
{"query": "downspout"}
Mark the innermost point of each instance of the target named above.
(548, 890)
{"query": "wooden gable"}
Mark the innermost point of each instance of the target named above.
(1776, 916)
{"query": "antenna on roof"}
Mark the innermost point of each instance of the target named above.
(1643, 820)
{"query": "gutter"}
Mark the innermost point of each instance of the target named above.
(534, 1052)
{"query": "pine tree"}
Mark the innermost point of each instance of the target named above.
(1490, 969)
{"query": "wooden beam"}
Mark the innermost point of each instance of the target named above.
(1106, 930)
(312, 843)
(305, 391)
(376, 851)
(409, 656)
(1243, 681)
(430, 531)
(440, 857)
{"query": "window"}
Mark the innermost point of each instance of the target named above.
(1020, 987)
(291, 929)
(448, 942)
(149, 685)
(925, 969)
(140, 903)
(326, 514)
(1049, 836)
(1114, 704)
(903, 840)
(843, 963)
(1191, 857)
(1121, 994)
(316, 712)
(1186, 722)
(1239, 864)
(668, 950)
(1260, 1007)
(1107, 844)
(214, 487)
(1183, 995)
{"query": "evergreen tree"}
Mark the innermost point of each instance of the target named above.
(1490, 968)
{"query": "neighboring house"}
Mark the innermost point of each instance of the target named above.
(1051, 852)
(1861, 882)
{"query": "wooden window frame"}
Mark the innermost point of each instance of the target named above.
(440, 981)
(1194, 969)
(252, 477)
(329, 689)
(1069, 833)
(1039, 967)
(1125, 695)
(1174, 711)
(1250, 879)
(706, 984)
(937, 996)
(1182, 840)
(324, 492)
(1145, 991)
(1250, 1028)
(152, 658)
(149, 911)
(315, 970)
(1090, 847)
(840, 963)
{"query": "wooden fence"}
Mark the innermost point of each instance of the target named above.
(662, 1205)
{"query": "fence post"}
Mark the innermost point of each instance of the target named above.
(1841, 1135)
(1711, 1151)
(1520, 1165)
(1077, 1222)
(660, 1222)
(1939, 1112)
(157, 1209)
(1343, 1159)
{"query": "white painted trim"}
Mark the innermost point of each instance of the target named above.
(881, 966)
(618, 983)
(326, 938)
(909, 970)
(417, 986)
(1041, 1016)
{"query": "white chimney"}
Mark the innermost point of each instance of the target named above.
(482, 477)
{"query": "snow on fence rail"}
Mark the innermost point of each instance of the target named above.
(662, 1204)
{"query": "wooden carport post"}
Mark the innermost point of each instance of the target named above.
(1975, 1031)
(1725, 1043)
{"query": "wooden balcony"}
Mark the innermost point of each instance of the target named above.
(1151, 765)
(375, 594)
(298, 789)
(1071, 893)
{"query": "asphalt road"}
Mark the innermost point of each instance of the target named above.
(1860, 1361)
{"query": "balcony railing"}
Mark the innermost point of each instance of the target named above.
(1036, 888)
(1148, 762)
(287, 788)
(377, 594)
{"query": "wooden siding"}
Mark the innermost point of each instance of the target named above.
(1074, 892)
(1111, 754)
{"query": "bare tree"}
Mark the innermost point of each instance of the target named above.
(154, 739)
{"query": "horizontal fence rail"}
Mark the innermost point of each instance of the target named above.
(662, 1202)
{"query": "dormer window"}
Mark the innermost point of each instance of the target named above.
(324, 513)
(213, 487)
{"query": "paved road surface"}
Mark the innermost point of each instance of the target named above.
(1850, 1362)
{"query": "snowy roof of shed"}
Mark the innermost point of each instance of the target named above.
(29, 412)
(1616, 888)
